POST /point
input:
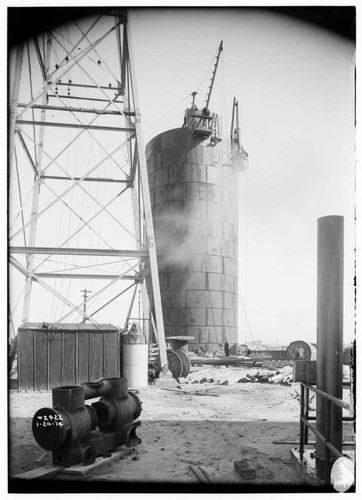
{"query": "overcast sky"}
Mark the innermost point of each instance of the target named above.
(295, 87)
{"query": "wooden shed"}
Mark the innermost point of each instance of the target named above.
(58, 354)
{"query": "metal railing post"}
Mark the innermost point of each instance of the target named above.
(327, 453)
(302, 426)
(306, 416)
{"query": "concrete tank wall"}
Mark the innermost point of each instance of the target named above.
(194, 196)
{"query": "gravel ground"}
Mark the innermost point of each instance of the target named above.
(212, 429)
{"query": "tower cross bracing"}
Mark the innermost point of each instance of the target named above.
(79, 204)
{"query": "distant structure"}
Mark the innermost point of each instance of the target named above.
(194, 196)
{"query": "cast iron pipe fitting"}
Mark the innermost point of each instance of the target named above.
(76, 432)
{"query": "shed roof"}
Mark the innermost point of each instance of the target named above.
(103, 327)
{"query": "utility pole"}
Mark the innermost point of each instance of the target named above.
(85, 296)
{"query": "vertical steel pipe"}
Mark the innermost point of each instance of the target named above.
(15, 64)
(329, 333)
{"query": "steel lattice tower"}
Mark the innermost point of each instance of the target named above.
(79, 211)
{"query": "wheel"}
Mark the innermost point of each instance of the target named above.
(185, 361)
(175, 363)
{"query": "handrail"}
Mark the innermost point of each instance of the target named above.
(334, 400)
(305, 424)
(322, 438)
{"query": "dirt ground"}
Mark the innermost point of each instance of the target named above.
(207, 424)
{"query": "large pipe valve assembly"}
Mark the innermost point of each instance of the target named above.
(76, 432)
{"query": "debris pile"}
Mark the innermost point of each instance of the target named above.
(233, 375)
(282, 376)
(273, 365)
(218, 376)
(216, 353)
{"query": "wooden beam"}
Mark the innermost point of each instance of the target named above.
(46, 470)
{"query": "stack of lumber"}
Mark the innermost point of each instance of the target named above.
(281, 376)
(221, 376)
(233, 375)
(274, 365)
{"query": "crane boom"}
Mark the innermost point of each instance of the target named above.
(234, 134)
(202, 122)
(213, 76)
(239, 156)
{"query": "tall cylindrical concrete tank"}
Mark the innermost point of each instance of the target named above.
(194, 196)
